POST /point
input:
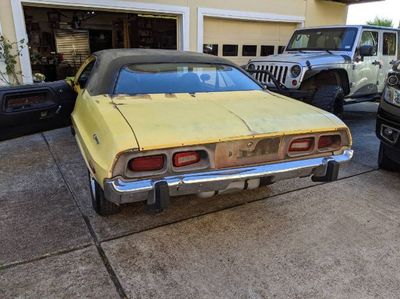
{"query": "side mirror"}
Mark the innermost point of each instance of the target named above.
(367, 50)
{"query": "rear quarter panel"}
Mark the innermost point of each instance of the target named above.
(101, 132)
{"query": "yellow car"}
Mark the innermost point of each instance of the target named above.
(157, 123)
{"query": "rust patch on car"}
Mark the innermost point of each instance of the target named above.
(247, 152)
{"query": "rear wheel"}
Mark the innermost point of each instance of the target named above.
(329, 98)
(100, 204)
(384, 162)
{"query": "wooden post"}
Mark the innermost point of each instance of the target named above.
(114, 34)
(127, 43)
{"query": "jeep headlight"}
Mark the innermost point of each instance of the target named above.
(392, 95)
(295, 71)
(392, 80)
(251, 67)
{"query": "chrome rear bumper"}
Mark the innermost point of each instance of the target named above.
(120, 190)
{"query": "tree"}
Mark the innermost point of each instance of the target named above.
(381, 22)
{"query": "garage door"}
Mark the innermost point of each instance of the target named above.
(240, 40)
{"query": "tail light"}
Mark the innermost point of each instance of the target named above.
(186, 158)
(329, 142)
(147, 163)
(301, 145)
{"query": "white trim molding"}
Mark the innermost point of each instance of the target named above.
(182, 12)
(240, 15)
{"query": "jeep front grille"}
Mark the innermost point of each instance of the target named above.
(279, 72)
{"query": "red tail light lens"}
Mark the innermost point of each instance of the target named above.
(147, 163)
(186, 158)
(329, 142)
(301, 145)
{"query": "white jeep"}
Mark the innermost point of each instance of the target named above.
(331, 66)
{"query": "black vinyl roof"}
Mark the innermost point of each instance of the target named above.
(109, 62)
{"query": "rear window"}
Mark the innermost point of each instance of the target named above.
(181, 78)
(389, 44)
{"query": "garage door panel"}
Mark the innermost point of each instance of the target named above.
(240, 32)
(285, 32)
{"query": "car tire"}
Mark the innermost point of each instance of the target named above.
(384, 162)
(329, 98)
(100, 204)
(72, 131)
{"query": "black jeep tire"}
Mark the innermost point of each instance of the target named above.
(384, 162)
(329, 98)
(100, 204)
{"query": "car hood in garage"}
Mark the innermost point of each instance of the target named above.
(172, 120)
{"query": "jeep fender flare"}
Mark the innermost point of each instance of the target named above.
(340, 75)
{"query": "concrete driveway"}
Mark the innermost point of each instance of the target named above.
(295, 239)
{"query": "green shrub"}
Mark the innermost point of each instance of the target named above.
(9, 53)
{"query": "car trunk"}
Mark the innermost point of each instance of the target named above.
(172, 120)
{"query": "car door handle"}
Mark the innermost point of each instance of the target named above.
(376, 62)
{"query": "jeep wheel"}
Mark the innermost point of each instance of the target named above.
(100, 204)
(329, 98)
(384, 162)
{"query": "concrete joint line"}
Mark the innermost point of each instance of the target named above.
(100, 250)
(228, 208)
(51, 254)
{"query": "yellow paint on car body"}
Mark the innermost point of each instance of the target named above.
(162, 121)
(157, 121)
(101, 132)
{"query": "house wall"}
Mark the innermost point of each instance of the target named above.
(318, 13)
(314, 12)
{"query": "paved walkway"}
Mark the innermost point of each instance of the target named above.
(293, 239)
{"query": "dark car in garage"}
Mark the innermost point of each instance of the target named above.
(388, 122)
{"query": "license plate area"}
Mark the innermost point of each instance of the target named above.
(247, 152)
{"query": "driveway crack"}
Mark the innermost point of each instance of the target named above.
(103, 256)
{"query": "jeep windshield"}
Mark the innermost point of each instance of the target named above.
(323, 39)
(181, 78)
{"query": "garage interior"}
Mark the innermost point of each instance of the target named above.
(61, 39)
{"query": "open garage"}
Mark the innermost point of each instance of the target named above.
(61, 39)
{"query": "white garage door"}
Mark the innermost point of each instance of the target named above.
(240, 40)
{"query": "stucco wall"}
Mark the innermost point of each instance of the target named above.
(315, 12)
(319, 12)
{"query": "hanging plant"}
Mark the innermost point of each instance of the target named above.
(9, 54)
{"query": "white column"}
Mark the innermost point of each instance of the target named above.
(20, 32)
